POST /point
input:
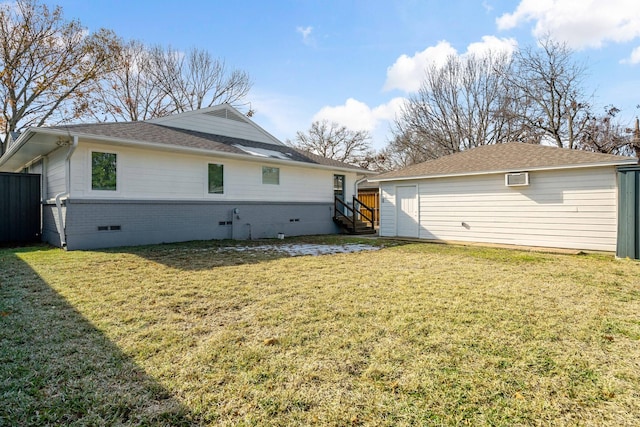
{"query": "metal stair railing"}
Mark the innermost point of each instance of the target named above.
(351, 216)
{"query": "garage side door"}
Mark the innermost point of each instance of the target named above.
(407, 211)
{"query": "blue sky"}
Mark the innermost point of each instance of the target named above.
(355, 61)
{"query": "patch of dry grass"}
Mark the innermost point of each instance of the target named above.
(411, 334)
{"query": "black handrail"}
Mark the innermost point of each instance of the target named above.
(339, 207)
(366, 208)
(351, 214)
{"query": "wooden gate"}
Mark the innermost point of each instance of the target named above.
(20, 210)
(372, 200)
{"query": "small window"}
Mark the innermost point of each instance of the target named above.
(216, 178)
(338, 186)
(270, 175)
(103, 171)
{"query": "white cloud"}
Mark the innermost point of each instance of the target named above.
(354, 114)
(634, 58)
(407, 72)
(492, 44)
(579, 23)
(306, 34)
(357, 115)
(283, 115)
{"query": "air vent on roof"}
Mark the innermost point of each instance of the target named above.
(516, 179)
(225, 113)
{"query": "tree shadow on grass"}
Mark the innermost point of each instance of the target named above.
(56, 368)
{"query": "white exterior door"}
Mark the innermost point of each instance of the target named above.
(407, 224)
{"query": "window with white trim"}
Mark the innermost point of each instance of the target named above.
(104, 171)
(216, 178)
(270, 175)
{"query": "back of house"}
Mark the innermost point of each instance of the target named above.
(205, 174)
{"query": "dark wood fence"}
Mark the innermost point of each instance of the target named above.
(20, 210)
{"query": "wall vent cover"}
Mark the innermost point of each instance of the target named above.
(516, 179)
(225, 113)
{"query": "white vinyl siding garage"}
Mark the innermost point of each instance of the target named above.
(565, 208)
(555, 197)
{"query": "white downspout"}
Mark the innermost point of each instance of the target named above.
(356, 184)
(45, 182)
(44, 196)
(67, 183)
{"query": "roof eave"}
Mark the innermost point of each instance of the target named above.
(174, 148)
(492, 172)
(17, 145)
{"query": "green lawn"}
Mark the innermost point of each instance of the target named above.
(412, 334)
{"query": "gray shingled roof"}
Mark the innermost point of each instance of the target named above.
(510, 157)
(171, 136)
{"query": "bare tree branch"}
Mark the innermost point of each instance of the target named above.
(157, 81)
(196, 79)
(604, 134)
(128, 92)
(459, 105)
(336, 142)
(550, 98)
(47, 65)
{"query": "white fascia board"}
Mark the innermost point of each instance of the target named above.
(190, 150)
(16, 146)
(22, 139)
(538, 169)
